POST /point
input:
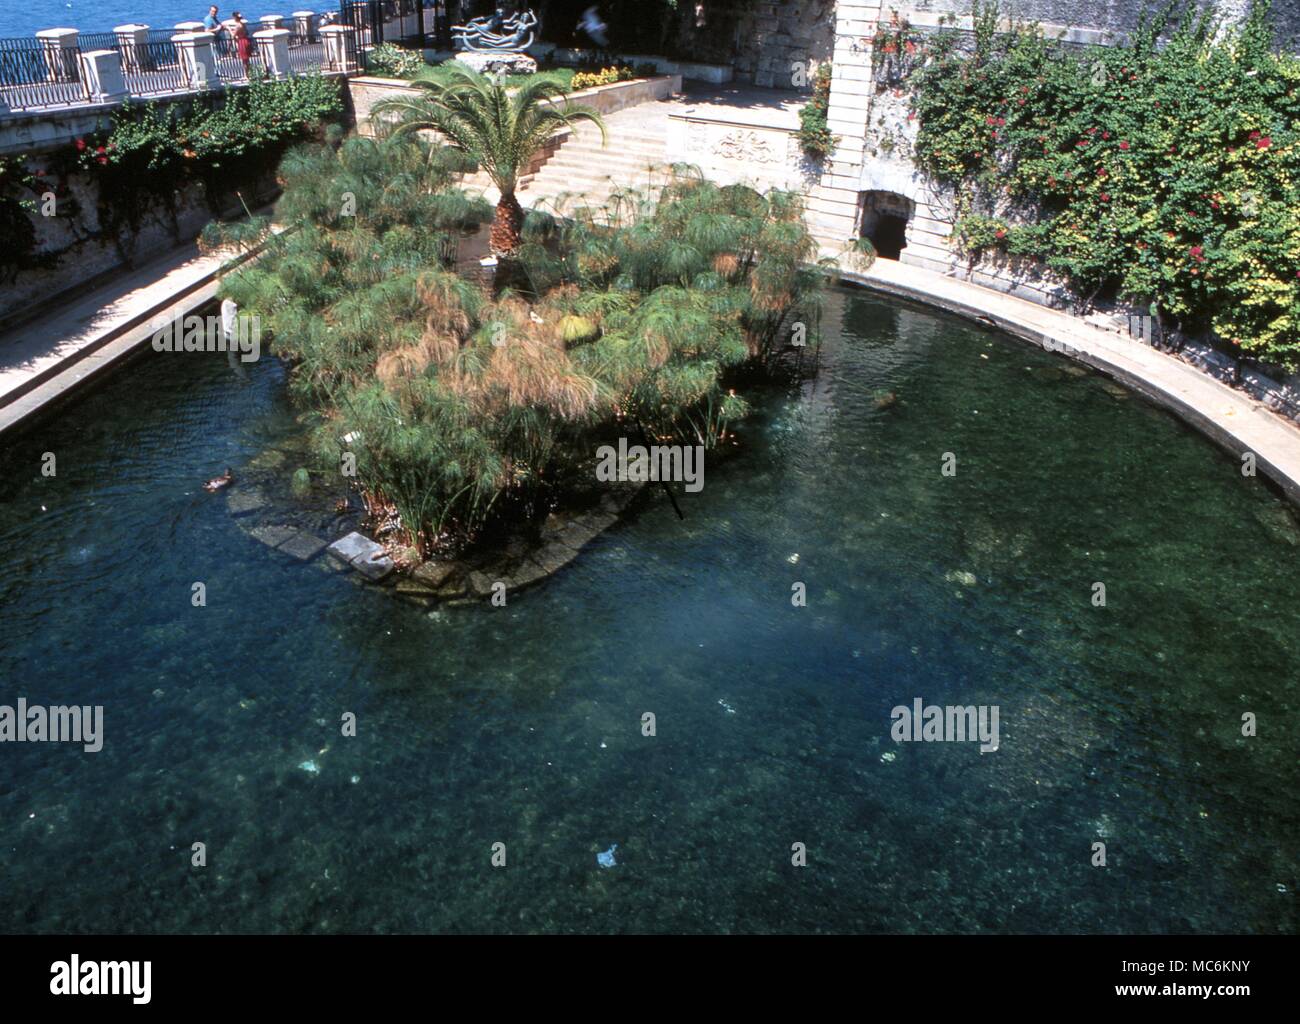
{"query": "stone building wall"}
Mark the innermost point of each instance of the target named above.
(762, 41)
(872, 162)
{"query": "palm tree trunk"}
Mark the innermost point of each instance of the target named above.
(506, 227)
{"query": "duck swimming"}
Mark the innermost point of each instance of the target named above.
(218, 482)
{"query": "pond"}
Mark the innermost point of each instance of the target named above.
(522, 725)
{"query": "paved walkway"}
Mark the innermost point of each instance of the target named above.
(1230, 417)
(46, 358)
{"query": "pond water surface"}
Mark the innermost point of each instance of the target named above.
(522, 725)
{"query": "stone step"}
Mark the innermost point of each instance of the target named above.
(614, 151)
(591, 169)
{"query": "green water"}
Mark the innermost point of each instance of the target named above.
(522, 725)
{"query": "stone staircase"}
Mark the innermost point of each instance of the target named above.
(638, 141)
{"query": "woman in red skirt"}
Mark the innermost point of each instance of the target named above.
(243, 41)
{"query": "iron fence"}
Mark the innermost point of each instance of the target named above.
(153, 68)
(37, 73)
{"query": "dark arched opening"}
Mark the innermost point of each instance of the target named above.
(885, 216)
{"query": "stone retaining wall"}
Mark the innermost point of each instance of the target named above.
(364, 92)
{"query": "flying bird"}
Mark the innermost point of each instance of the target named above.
(594, 27)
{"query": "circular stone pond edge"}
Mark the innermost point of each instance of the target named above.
(1232, 419)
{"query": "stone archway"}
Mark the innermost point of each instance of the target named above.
(884, 220)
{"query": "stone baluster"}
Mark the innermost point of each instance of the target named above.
(101, 70)
(133, 42)
(273, 46)
(305, 25)
(337, 44)
(198, 62)
(59, 48)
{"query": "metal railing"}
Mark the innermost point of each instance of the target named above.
(34, 73)
(48, 73)
(153, 68)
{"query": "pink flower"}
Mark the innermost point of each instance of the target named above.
(1263, 143)
(1123, 143)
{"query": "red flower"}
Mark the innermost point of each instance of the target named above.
(81, 144)
(1000, 233)
(1264, 143)
(99, 149)
(1105, 197)
(1105, 135)
(990, 120)
(1001, 121)
(1123, 143)
(1255, 135)
(102, 159)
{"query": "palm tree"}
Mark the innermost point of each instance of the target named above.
(499, 129)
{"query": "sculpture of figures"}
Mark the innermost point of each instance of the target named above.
(498, 32)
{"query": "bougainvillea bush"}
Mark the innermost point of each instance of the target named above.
(1160, 172)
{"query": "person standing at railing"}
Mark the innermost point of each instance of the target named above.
(243, 41)
(212, 23)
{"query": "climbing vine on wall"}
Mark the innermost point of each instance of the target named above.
(1163, 172)
(151, 153)
(814, 133)
(24, 195)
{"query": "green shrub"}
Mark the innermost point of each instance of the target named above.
(394, 61)
(473, 408)
(1165, 174)
(814, 135)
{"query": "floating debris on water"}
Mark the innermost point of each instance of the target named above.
(310, 767)
(726, 707)
(356, 779)
(888, 756)
(606, 859)
(961, 576)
